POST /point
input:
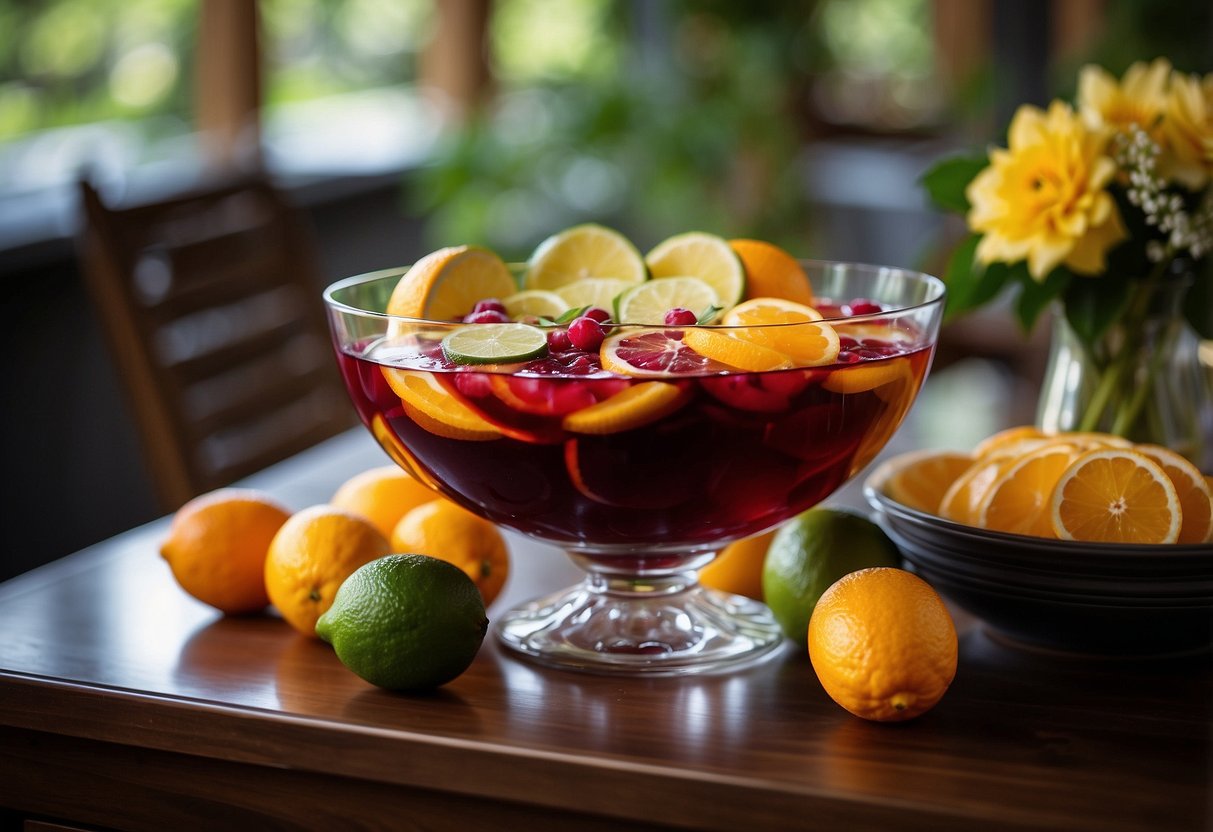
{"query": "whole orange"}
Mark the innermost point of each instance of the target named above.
(310, 557)
(738, 568)
(883, 644)
(216, 547)
(448, 532)
(771, 272)
(382, 495)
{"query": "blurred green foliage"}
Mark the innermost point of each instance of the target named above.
(654, 118)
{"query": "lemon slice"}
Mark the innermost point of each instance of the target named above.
(648, 302)
(787, 327)
(705, 256)
(445, 285)
(537, 302)
(495, 344)
(429, 404)
(634, 407)
(593, 291)
(581, 252)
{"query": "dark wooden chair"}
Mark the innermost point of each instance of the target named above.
(211, 305)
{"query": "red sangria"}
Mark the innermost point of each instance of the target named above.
(641, 448)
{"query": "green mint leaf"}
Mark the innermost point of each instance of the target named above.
(569, 315)
(1035, 297)
(1094, 303)
(708, 314)
(946, 181)
(970, 284)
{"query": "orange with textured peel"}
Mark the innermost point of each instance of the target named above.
(446, 531)
(772, 272)
(1113, 495)
(883, 644)
(382, 495)
(445, 284)
(310, 557)
(216, 547)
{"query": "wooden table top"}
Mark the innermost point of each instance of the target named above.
(103, 648)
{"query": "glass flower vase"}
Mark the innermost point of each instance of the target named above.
(1143, 379)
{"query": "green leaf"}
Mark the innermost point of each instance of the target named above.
(708, 314)
(1035, 296)
(970, 284)
(1093, 304)
(947, 180)
(566, 316)
(1198, 305)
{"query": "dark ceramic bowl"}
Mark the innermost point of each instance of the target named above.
(1112, 599)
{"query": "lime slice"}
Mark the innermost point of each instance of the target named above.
(648, 302)
(495, 344)
(594, 291)
(584, 251)
(705, 256)
(537, 302)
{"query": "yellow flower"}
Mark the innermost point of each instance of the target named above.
(1044, 198)
(1140, 98)
(1189, 131)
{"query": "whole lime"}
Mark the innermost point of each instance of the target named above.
(406, 622)
(812, 551)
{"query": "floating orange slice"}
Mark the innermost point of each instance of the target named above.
(771, 272)
(737, 353)
(1018, 499)
(1115, 495)
(923, 477)
(1192, 487)
(432, 407)
(786, 327)
(868, 375)
(631, 408)
(445, 284)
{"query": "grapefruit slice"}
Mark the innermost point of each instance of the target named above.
(653, 352)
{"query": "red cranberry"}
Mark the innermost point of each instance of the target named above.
(846, 342)
(864, 307)
(473, 385)
(848, 357)
(586, 334)
(489, 305)
(597, 313)
(558, 341)
(487, 316)
(680, 316)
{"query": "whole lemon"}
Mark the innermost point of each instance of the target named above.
(812, 551)
(406, 622)
(382, 495)
(310, 556)
(883, 644)
(444, 530)
(217, 545)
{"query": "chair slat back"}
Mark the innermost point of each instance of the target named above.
(211, 305)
